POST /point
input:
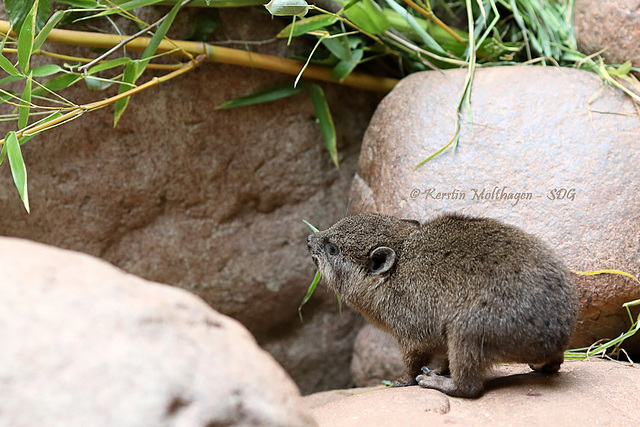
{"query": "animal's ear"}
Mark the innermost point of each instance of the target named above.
(381, 260)
(411, 221)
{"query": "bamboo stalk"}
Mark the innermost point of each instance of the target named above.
(218, 54)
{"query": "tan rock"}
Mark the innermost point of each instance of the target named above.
(85, 344)
(583, 393)
(376, 357)
(209, 201)
(613, 25)
(552, 135)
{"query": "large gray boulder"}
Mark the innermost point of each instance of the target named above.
(549, 150)
(85, 344)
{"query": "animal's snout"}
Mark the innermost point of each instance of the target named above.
(309, 239)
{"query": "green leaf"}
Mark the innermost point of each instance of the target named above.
(203, 26)
(8, 67)
(310, 290)
(5, 64)
(344, 68)
(10, 79)
(96, 84)
(287, 7)
(51, 23)
(424, 36)
(25, 104)
(127, 6)
(17, 10)
(303, 26)
(130, 75)
(325, 120)
(25, 39)
(7, 94)
(266, 95)
(57, 83)
(151, 48)
(18, 168)
(112, 63)
(138, 3)
(46, 70)
(82, 4)
(367, 16)
(339, 46)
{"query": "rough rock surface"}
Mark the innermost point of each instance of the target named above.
(210, 201)
(550, 134)
(610, 24)
(582, 393)
(85, 344)
(376, 357)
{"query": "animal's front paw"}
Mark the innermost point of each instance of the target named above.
(404, 382)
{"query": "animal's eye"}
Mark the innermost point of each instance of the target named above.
(331, 249)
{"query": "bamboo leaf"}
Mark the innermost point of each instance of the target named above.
(8, 67)
(339, 46)
(107, 65)
(51, 23)
(96, 84)
(25, 104)
(58, 83)
(46, 70)
(151, 48)
(303, 26)
(260, 97)
(325, 120)
(82, 4)
(25, 39)
(128, 78)
(367, 15)
(10, 79)
(18, 168)
(344, 68)
(17, 11)
(287, 7)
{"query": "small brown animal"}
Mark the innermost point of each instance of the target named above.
(472, 291)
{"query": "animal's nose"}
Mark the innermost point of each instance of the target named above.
(309, 241)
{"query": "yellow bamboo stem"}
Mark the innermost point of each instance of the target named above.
(218, 54)
(78, 111)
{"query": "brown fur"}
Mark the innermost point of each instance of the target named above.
(474, 291)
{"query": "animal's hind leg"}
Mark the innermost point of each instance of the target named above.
(551, 366)
(467, 369)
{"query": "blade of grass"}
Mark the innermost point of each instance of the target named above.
(310, 291)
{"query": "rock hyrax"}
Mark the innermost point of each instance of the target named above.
(471, 291)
